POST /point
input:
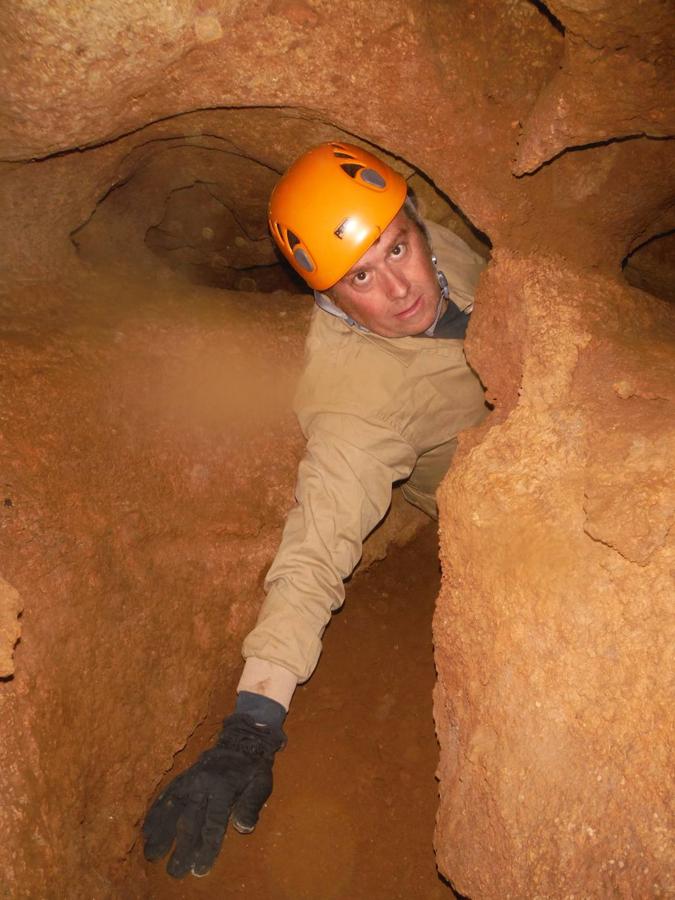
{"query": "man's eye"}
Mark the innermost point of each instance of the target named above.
(398, 250)
(361, 277)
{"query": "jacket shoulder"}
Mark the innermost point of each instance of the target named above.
(345, 370)
(326, 332)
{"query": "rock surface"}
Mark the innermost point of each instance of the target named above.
(615, 80)
(554, 629)
(146, 501)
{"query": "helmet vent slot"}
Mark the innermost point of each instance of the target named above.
(293, 239)
(341, 155)
(370, 176)
(303, 260)
(367, 176)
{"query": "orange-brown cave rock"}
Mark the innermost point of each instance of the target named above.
(151, 340)
(554, 695)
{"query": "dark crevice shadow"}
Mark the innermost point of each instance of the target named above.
(546, 12)
(452, 891)
(591, 145)
(650, 240)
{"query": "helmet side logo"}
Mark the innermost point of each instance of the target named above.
(340, 230)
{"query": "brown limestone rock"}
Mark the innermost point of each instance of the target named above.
(467, 76)
(273, 55)
(615, 81)
(554, 631)
(77, 67)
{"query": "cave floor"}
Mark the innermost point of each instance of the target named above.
(352, 813)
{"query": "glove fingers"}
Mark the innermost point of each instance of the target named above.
(188, 831)
(213, 832)
(159, 828)
(251, 801)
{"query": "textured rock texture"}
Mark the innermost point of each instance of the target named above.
(149, 457)
(554, 630)
(615, 80)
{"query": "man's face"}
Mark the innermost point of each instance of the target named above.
(393, 289)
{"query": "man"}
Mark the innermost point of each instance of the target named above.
(383, 395)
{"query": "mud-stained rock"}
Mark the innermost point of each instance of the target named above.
(554, 629)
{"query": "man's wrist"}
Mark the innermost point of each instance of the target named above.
(269, 679)
(262, 710)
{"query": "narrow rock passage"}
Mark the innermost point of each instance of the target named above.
(352, 813)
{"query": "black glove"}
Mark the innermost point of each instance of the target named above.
(234, 777)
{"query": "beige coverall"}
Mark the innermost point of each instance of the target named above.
(375, 411)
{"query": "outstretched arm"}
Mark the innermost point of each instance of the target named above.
(343, 490)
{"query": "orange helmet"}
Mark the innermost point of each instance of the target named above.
(329, 207)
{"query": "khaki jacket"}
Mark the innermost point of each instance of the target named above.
(375, 411)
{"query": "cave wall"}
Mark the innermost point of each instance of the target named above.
(143, 501)
(553, 702)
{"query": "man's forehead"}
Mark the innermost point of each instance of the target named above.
(397, 228)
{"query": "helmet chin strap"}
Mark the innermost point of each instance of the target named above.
(443, 298)
(442, 280)
(327, 305)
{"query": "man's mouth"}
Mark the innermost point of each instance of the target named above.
(410, 310)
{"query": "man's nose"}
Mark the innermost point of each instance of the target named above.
(396, 285)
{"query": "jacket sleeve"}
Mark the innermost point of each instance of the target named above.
(343, 490)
